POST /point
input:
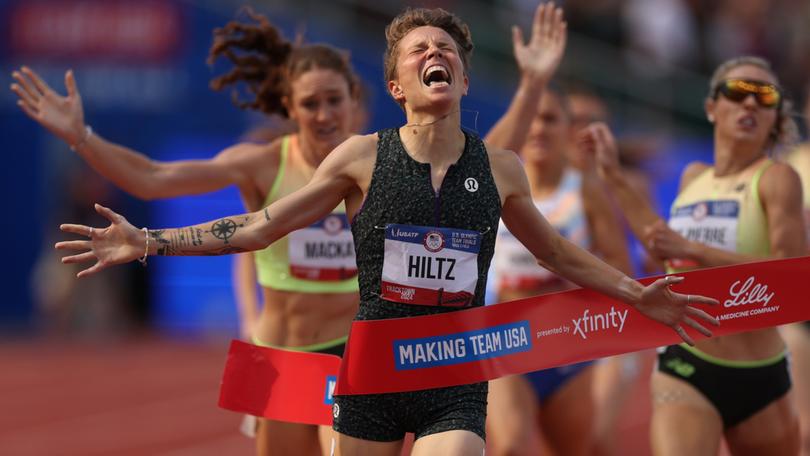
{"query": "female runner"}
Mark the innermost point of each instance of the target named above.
(309, 301)
(742, 208)
(428, 176)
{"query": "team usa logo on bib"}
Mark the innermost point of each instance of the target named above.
(434, 241)
(699, 211)
(430, 266)
(333, 223)
(323, 251)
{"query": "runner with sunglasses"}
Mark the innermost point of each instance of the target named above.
(428, 176)
(308, 302)
(743, 208)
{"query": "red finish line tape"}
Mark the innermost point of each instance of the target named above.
(278, 384)
(484, 343)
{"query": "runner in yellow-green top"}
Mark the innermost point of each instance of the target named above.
(742, 208)
(308, 278)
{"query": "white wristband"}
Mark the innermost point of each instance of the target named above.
(88, 130)
(142, 259)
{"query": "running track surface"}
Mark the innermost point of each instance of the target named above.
(148, 396)
(144, 397)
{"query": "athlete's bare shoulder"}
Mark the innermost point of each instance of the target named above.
(691, 172)
(353, 158)
(360, 146)
(507, 169)
(357, 148)
(253, 154)
(503, 162)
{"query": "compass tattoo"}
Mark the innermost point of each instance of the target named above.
(224, 229)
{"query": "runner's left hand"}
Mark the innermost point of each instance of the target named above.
(675, 310)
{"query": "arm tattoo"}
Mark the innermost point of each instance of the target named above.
(164, 245)
(182, 241)
(266, 215)
(222, 251)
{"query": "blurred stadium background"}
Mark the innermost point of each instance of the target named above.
(140, 66)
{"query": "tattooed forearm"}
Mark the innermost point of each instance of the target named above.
(222, 251)
(197, 237)
(164, 245)
(191, 240)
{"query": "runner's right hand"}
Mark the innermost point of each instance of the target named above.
(62, 116)
(597, 141)
(118, 243)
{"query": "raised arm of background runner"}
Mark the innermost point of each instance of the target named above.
(133, 172)
(538, 61)
(779, 191)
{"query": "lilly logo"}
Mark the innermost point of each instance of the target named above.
(744, 293)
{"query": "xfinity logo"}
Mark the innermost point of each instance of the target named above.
(588, 323)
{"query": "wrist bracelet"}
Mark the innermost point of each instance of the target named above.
(88, 130)
(142, 259)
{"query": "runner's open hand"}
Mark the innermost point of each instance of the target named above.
(118, 243)
(62, 116)
(541, 56)
(675, 310)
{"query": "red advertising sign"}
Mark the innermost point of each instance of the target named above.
(122, 30)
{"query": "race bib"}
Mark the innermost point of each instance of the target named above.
(515, 266)
(713, 223)
(323, 251)
(430, 266)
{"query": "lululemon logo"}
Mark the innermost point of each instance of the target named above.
(471, 185)
(335, 410)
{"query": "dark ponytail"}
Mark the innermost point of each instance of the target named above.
(267, 63)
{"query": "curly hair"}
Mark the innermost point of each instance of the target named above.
(412, 18)
(267, 63)
(785, 131)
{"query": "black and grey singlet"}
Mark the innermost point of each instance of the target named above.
(401, 192)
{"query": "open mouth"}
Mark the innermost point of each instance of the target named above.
(436, 76)
(747, 122)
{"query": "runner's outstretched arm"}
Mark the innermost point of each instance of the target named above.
(121, 242)
(656, 301)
